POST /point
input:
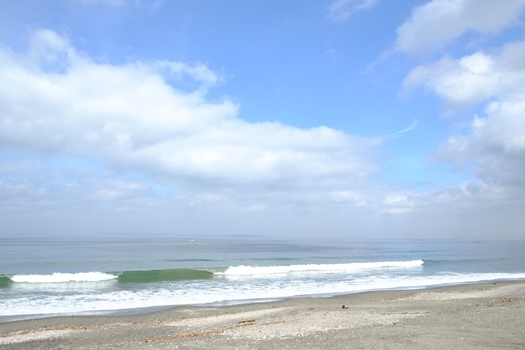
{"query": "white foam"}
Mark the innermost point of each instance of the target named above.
(226, 291)
(313, 268)
(64, 277)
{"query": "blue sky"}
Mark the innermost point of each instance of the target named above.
(344, 118)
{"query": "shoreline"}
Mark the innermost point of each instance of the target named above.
(475, 315)
(230, 303)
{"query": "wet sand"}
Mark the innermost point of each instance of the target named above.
(477, 316)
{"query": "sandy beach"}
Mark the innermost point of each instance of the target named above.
(477, 316)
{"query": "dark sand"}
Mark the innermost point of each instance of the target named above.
(480, 316)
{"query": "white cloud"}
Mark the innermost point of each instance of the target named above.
(398, 203)
(354, 198)
(438, 22)
(474, 78)
(495, 143)
(40, 186)
(492, 80)
(473, 196)
(341, 10)
(112, 190)
(58, 101)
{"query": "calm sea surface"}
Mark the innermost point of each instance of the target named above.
(42, 277)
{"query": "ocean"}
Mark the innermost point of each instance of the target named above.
(44, 277)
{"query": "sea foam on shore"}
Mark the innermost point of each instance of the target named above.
(476, 316)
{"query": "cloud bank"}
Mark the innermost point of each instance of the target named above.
(495, 141)
(493, 80)
(438, 22)
(135, 117)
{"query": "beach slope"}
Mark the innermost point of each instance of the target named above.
(477, 316)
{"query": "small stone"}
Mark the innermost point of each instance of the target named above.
(345, 306)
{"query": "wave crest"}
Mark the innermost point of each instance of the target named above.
(58, 277)
(317, 268)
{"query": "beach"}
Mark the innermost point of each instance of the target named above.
(471, 316)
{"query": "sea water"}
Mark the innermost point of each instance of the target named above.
(42, 277)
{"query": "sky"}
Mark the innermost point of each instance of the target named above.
(324, 118)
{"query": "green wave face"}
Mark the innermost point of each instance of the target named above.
(163, 275)
(4, 281)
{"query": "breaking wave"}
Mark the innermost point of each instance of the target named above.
(317, 268)
(152, 276)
